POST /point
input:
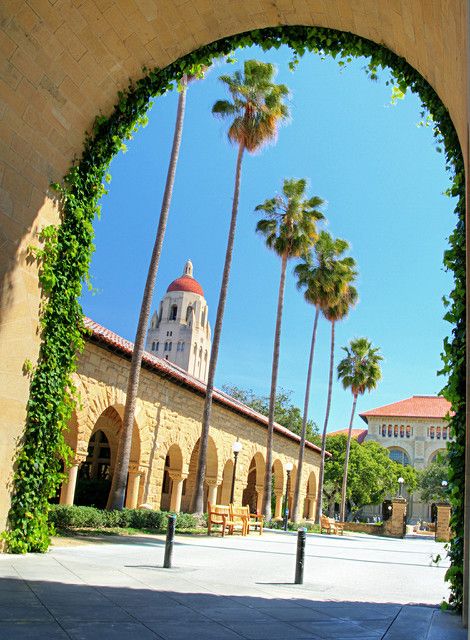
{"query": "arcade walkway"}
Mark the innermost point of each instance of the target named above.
(227, 589)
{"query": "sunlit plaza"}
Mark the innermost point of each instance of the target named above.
(227, 588)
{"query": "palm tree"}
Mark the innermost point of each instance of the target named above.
(256, 109)
(290, 229)
(337, 310)
(359, 371)
(314, 275)
(118, 486)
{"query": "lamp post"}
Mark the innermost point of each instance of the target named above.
(400, 486)
(289, 467)
(236, 448)
(444, 484)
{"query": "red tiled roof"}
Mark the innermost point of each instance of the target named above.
(357, 434)
(186, 283)
(414, 407)
(167, 369)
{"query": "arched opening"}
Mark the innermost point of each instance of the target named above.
(95, 473)
(172, 481)
(211, 477)
(310, 501)
(225, 488)
(399, 455)
(253, 492)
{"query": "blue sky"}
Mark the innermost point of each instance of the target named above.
(383, 182)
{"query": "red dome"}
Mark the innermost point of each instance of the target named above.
(186, 283)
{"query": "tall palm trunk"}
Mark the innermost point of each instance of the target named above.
(298, 479)
(118, 487)
(272, 397)
(325, 426)
(198, 497)
(342, 511)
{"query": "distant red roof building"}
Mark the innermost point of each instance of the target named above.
(414, 407)
(357, 434)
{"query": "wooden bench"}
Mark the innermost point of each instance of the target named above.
(255, 521)
(238, 519)
(329, 525)
(217, 515)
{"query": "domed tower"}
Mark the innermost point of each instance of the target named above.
(180, 331)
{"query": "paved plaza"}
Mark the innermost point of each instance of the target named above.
(228, 588)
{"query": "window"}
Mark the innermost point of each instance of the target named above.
(395, 431)
(389, 430)
(166, 346)
(173, 312)
(182, 346)
(438, 433)
(431, 433)
(178, 346)
(157, 345)
(384, 430)
(444, 433)
(169, 346)
(408, 431)
(398, 455)
(153, 346)
(402, 431)
(189, 312)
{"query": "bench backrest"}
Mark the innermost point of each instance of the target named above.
(217, 511)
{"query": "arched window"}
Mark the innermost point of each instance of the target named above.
(156, 346)
(389, 430)
(395, 431)
(438, 433)
(203, 318)
(444, 433)
(432, 432)
(166, 347)
(402, 431)
(153, 346)
(182, 346)
(408, 431)
(189, 313)
(169, 346)
(173, 312)
(398, 455)
(384, 430)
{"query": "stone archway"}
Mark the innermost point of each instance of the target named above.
(225, 488)
(211, 479)
(173, 479)
(254, 490)
(310, 502)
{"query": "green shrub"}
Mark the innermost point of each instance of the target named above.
(188, 521)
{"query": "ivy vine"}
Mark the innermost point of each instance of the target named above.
(66, 253)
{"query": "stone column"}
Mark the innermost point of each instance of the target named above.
(311, 507)
(67, 491)
(395, 525)
(443, 532)
(212, 490)
(278, 507)
(176, 490)
(133, 484)
(259, 497)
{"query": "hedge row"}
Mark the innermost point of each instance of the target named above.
(65, 517)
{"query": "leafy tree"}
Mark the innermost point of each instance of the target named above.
(290, 230)
(359, 371)
(314, 275)
(372, 474)
(285, 412)
(256, 109)
(342, 298)
(118, 486)
(430, 480)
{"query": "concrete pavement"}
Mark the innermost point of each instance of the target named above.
(231, 588)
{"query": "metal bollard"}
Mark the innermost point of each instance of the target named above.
(170, 536)
(300, 557)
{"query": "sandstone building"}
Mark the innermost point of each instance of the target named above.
(414, 431)
(166, 436)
